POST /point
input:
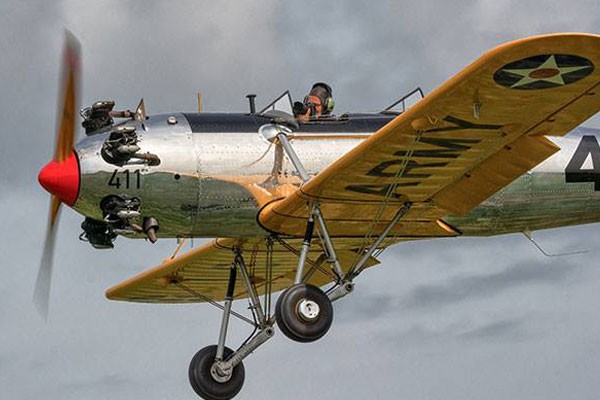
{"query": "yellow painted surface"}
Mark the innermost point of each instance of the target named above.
(205, 270)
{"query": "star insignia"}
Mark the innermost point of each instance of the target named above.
(543, 71)
(548, 71)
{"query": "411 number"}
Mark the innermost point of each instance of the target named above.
(128, 181)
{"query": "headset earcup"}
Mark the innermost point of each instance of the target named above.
(329, 104)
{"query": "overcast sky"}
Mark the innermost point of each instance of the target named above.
(452, 319)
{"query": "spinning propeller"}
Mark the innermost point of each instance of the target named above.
(60, 176)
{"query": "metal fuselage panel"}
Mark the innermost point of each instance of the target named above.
(209, 176)
(216, 172)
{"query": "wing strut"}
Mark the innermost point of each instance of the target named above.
(360, 265)
(315, 213)
(344, 284)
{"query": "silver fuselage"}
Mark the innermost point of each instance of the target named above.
(211, 176)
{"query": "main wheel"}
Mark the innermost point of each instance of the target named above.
(207, 382)
(304, 313)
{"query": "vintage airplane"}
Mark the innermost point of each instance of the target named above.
(488, 152)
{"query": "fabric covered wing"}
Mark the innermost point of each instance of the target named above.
(203, 272)
(459, 145)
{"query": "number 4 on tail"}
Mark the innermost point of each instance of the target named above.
(574, 172)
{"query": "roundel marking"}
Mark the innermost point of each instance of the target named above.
(543, 71)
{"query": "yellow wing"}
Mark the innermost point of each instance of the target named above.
(456, 147)
(203, 272)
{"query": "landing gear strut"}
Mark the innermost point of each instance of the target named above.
(303, 312)
(217, 372)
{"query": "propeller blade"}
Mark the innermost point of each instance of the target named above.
(55, 204)
(41, 294)
(65, 136)
(67, 116)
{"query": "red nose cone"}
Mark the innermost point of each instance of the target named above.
(62, 179)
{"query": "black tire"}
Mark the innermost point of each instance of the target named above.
(205, 385)
(292, 325)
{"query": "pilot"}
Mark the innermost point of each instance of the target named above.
(318, 103)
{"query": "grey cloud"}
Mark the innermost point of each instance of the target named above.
(114, 381)
(508, 329)
(73, 387)
(370, 306)
(459, 331)
(374, 54)
(486, 285)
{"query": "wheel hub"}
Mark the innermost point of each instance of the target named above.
(308, 310)
(218, 374)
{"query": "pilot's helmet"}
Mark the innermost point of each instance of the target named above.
(324, 93)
